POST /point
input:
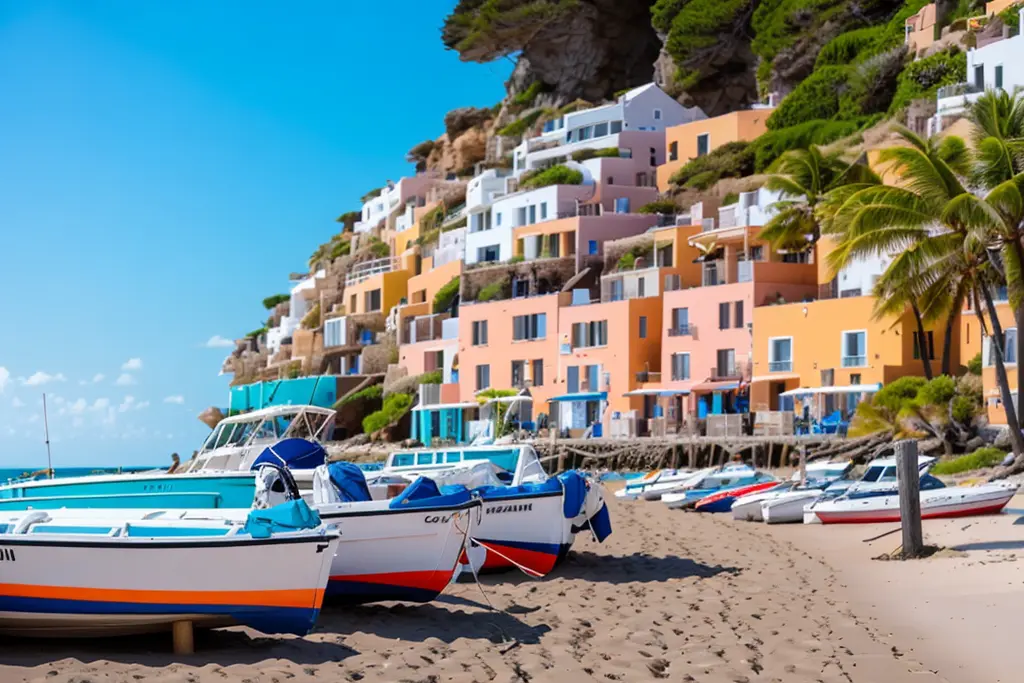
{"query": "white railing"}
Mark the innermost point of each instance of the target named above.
(727, 216)
(366, 270)
(707, 224)
(745, 271)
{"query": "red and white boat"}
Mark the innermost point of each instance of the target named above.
(952, 501)
(722, 500)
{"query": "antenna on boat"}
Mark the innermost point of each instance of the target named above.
(46, 430)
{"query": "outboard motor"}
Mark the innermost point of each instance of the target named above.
(274, 485)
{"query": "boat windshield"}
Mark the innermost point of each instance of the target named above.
(505, 458)
(873, 474)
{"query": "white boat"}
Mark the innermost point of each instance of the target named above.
(953, 501)
(707, 482)
(819, 475)
(879, 478)
(651, 485)
(788, 507)
(97, 577)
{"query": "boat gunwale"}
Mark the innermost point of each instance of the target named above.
(142, 543)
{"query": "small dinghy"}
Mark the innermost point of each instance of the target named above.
(720, 479)
(652, 485)
(90, 576)
(722, 501)
(952, 501)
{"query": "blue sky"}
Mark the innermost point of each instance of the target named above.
(165, 166)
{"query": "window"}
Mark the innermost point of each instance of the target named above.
(680, 321)
(616, 127)
(680, 366)
(654, 156)
(520, 288)
(497, 218)
(1010, 353)
(738, 314)
(521, 213)
(486, 254)
(533, 214)
(703, 144)
(543, 211)
(979, 76)
(622, 205)
(593, 377)
(352, 304)
(572, 379)
(592, 247)
(586, 335)
(333, 330)
(643, 327)
(673, 151)
(930, 341)
(999, 76)
(616, 294)
(600, 130)
(483, 377)
(538, 373)
(723, 316)
(479, 333)
(657, 115)
(641, 286)
(372, 300)
(518, 367)
(726, 362)
(529, 327)
(855, 349)
(780, 354)
(757, 253)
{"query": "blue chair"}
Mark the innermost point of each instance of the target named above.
(831, 423)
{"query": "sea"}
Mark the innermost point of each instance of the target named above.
(10, 473)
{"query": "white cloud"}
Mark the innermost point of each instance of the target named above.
(218, 342)
(132, 364)
(141, 404)
(127, 404)
(125, 380)
(17, 403)
(179, 399)
(78, 407)
(40, 378)
(77, 421)
(98, 377)
(5, 375)
(100, 404)
(34, 417)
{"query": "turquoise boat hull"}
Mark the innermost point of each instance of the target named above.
(133, 491)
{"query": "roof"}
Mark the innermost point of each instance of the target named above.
(717, 386)
(638, 91)
(276, 411)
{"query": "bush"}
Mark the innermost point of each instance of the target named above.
(1010, 17)
(731, 160)
(849, 47)
(730, 199)
(925, 76)
(555, 175)
(311, 320)
(817, 97)
(527, 97)
(371, 194)
(367, 394)
(627, 261)
(343, 248)
(981, 458)
(256, 334)
(432, 377)
(661, 206)
(395, 406)
(775, 143)
(378, 248)
(446, 294)
(517, 259)
(348, 220)
(694, 25)
(974, 364)
(520, 126)
(895, 395)
(584, 154)
(273, 301)
(491, 291)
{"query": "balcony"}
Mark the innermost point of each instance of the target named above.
(645, 376)
(855, 361)
(735, 371)
(713, 273)
(683, 331)
(953, 99)
(780, 365)
(424, 328)
(366, 270)
(745, 271)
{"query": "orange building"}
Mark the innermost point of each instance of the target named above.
(973, 342)
(698, 138)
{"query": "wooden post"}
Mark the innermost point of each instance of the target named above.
(909, 482)
(784, 458)
(675, 457)
(692, 455)
(803, 465)
(181, 633)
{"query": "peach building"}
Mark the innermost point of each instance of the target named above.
(579, 236)
(707, 349)
(691, 140)
(973, 342)
(920, 28)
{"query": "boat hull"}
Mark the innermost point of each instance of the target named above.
(64, 586)
(392, 554)
(937, 504)
(722, 501)
(787, 509)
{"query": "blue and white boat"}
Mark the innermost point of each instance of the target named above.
(218, 477)
(704, 484)
(652, 485)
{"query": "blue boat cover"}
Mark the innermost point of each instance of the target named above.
(423, 493)
(492, 493)
(294, 515)
(296, 454)
(601, 524)
(575, 487)
(349, 481)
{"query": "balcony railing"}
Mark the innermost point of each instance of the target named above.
(425, 328)
(745, 271)
(648, 376)
(957, 89)
(727, 216)
(735, 371)
(780, 366)
(854, 361)
(713, 274)
(366, 270)
(683, 331)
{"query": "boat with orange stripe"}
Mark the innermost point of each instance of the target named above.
(77, 576)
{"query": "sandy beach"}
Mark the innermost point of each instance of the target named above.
(672, 595)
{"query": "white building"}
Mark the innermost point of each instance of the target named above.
(451, 246)
(996, 66)
(298, 307)
(646, 108)
(411, 191)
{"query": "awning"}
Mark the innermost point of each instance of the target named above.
(526, 398)
(447, 406)
(581, 396)
(779, 376)
(848, 389)
(716, 386)
(657, 392)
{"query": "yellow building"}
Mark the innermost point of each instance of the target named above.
(972, 343)
(698, 138)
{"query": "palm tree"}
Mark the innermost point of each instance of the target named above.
(937, 231)
(809, 182)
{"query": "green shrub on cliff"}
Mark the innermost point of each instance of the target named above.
(395, 406)
(520, 126)
(731, 160)
(693, 25)
(446, 294)
(925, 76)
(273, 301)
(556, 175)
(817, 97)
(775, 143)
(849, 47)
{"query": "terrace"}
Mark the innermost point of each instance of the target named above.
(368, 269)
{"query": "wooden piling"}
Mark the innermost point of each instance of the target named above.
(182, 636)
(803, 465)
(909, 482)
